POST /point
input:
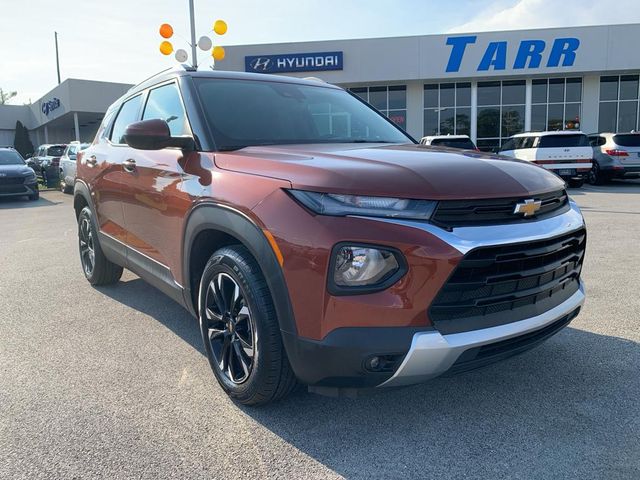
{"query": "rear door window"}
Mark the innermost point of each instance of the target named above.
(631, 140)
(128, 114)
(560, 141)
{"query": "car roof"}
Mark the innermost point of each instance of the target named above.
(547, 133)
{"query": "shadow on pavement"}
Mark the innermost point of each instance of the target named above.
(24, 202)
(556, 411)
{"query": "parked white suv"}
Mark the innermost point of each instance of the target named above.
(615, 155)
(453, 141)
(568, 153)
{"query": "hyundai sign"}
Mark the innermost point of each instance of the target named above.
(294, 62)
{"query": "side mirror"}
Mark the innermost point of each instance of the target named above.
(154, 135)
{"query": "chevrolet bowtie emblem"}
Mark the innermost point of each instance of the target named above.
(528, 208)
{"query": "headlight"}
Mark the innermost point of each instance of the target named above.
(30, 177)
(364, 268)
(341, 205)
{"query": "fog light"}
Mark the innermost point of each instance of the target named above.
(363, 266)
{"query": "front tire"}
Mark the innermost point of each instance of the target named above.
(64, 188)
(96, 267)
(240, 329)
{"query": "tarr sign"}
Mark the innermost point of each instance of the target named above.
(529, 55)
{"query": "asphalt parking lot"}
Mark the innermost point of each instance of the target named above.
(112, 381)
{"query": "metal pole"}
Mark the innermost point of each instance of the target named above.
(194, 49)
(57, 57)
(76, 126)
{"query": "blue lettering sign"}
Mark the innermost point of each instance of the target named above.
(494, 56)
(458, 44)
(529, 53)
(563, 47)
(50, 106)
(294, 62)
(529, 50)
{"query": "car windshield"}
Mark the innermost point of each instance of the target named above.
(10, 157)
(454, 143)
(245, 112)
(55, 151)
(629, 140)
(556, 141)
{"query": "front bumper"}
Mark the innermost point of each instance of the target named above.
(419, 353)
(18, 190)
(432, 354)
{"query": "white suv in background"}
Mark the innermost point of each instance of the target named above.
(566, 153)
(452, 141)
(615, 155)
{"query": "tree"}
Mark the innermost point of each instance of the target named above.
(6, 96)
(22, 142)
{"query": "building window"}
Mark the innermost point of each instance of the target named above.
(391, 100)
(447, 109)
(500, 112)
(556, 104)
(619, 103)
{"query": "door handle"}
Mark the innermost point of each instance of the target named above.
(129, 165)
(92, 161)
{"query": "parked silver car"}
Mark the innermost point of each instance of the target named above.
(68, 165)
(615, 155)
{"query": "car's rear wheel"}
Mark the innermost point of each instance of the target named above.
(64, 188)
(240, 329)
(576, 182)
(96, 267)
(595, 175)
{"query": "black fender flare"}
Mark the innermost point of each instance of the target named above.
(80, 189)
(214, 216)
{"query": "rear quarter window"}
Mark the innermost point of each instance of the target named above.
(559, 141)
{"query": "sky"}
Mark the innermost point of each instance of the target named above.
(118, 40)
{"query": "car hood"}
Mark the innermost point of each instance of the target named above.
(410, 171)
(14, 170)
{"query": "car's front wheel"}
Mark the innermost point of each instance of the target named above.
(64, 188)
(240, 329)
(96, 267)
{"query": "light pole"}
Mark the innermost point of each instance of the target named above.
(194, 47)
(58, 59)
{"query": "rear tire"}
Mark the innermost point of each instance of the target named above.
(97, 269)
(576, 183)
(596, 176)
(64, 188)
(240, 329)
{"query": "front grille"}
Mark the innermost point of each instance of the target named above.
(460, 213)
(502, 284)
(11, 180)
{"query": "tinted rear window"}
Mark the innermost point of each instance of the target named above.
(455, 143)
(631, 140)
(55, 151)
(555, 141)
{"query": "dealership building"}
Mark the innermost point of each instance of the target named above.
(486, 85)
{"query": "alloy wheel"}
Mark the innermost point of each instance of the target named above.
(87, 251)
(230, 328)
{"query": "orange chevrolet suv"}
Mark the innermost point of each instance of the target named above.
(316, 242)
